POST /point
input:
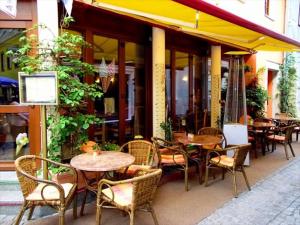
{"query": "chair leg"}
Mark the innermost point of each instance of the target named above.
(286, 153)
(98, 213)
(153, 215)
(246, 179)
(21, 213)
(83, 203)
(75, 206)
(61, 215)
(292, 150)
(223, 173)
(234, 184)
(186, 179)
(131, 215)
(206, 176)
(30, 212)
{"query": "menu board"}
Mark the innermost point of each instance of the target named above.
(39, 88)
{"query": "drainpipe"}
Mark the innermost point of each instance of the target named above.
(158, 81)
(215, 85)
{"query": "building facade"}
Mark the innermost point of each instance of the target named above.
(164, 65)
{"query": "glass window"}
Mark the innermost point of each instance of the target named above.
(135, 90)
(9, 40)
(11, 125)
(182, 83)
(106, 64)
(168, 82)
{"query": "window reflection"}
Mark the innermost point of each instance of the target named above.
(11, 125)
(135, 90)
(9, 40)
(182, 87)
(106, 107)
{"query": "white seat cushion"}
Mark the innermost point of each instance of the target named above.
(223, 160)
(122, 193)
(50, 192)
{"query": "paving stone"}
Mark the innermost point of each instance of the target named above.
(273, 201)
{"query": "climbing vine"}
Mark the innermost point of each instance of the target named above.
(287, 86)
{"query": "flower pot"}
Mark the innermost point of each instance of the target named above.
(90, 147)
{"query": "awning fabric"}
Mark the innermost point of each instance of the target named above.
(202, 19)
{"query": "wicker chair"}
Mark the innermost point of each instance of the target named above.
(129, 195)
(40, 192)
(215, 132)
(215, 159)
(283, 137)
(172, 154)
(143, 152)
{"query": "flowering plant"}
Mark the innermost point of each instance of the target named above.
(21, 141)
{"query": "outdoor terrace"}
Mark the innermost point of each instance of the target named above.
(173, 205)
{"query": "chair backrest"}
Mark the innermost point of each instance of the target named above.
(289, 132)
(178, 134)
(241, 154)
(27, 165)
(142, 150)
(144, 187)
(167, 148)
(214, 132)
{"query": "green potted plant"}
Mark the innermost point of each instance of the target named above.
(68, 122)
(167, 127)
(256, 96)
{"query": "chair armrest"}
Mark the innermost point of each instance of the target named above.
(75, 173)
(47, 182)
(219, 151)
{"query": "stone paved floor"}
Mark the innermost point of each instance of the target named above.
(272, 201)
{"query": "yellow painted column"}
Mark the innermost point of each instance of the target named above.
(215, 84)
(159, 83)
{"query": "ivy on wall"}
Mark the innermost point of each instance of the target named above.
(287, 86)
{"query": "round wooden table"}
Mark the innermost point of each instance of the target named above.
(105, 162)
(201, 140)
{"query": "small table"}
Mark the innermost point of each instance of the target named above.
(263, 126)
(201, 140)
(105, 162)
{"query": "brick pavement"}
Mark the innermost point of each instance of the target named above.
(272, 201)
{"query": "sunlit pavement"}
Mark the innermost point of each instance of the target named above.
(274, 200)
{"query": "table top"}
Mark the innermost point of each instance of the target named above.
(285, 118)
(262, 125)
(201, 140)
(106, 161)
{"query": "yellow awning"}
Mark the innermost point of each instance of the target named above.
(203, 20)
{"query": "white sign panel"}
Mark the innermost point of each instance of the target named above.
(237, 134)
(39, 88)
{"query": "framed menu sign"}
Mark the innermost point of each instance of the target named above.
(39, 88)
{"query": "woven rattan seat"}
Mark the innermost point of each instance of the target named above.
(143, 153)
(216, 159)
(129, 195)
(173, 154)
(40, 192)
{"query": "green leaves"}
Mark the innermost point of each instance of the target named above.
(256, 96)
(68, 123)
(287, 86)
